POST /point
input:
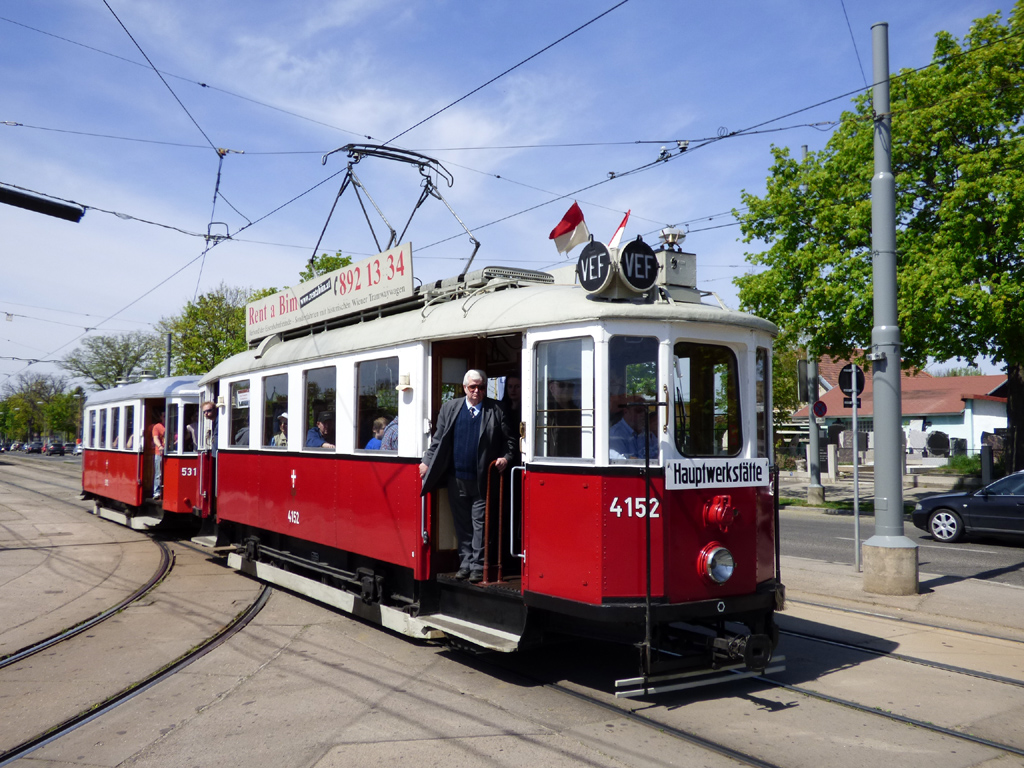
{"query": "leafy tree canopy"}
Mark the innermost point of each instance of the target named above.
(104, 360)
(323, 263)
(958, 162)
(209, 329)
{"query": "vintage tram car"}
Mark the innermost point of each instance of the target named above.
(117, 461)
(673, 548)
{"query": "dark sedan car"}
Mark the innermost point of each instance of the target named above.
(55, 449)
(996, 508)
(34, 447)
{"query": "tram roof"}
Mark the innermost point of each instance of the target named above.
(173, 386)
(491, 313)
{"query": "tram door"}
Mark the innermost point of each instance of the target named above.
(498, 357)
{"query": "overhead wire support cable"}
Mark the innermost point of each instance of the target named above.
(507, 71)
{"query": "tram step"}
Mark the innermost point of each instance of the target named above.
(485, 637)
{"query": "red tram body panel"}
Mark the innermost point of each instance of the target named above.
(112, 475)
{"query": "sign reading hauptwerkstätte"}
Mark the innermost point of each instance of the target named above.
(376, 280)
(683, 474)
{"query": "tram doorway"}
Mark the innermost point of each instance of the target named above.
(499, 357)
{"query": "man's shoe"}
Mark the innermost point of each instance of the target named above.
(462, 574)
(476, 577)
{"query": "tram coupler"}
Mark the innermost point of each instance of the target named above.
(754, 650)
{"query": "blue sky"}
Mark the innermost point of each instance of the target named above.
(281, 84)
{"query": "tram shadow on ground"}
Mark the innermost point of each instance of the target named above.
(596, 665)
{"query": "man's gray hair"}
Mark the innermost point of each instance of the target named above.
(473, 374)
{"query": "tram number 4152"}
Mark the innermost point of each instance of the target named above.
(634, 506)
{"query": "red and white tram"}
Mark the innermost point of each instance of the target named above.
(117, 465)
(676, 551)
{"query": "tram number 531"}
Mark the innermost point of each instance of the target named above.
(634, 506)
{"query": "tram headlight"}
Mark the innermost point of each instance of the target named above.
(716, 563)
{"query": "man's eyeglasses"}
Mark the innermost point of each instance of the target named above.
(473, 386)
(208, 411)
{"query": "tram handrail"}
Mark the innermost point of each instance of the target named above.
(512, 515)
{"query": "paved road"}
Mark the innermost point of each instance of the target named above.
(818, 535)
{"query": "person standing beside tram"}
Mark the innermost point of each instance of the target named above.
(471, 432)
(158, 455)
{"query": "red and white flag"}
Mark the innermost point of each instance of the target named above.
(571, 230)
(614, 242)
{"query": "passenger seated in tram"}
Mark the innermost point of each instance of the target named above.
(626, 436)
(280, 440)
(321, 435)
(379, 425)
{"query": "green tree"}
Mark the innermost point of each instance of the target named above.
(27, 402)
(104, 360)
(323, 263)
(960, 371)
(957, 159)
(209, 329)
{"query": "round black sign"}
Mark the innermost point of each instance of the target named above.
(851, 380)
(594, 267)
(639, 266)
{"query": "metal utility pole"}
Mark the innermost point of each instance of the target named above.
(815, 491)
(890, 558)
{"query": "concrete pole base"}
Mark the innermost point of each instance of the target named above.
(816, 495)
(890, 570)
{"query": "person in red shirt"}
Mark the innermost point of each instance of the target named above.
(158, 455)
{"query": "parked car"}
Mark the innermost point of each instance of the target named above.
(69, 448)
(78, 449)
(996, 508)
(55, 449)
(34, 447)
(15, 446)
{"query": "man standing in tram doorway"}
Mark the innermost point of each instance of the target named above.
(158, 455)
(471, 432)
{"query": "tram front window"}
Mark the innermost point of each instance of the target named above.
(632, 391)
(565, 398)
(706, 404)
(239, 414)
(171, 444)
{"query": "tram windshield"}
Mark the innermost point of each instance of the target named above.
(632, 394)
(706, 405)
(171, 444)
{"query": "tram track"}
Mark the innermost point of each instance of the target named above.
(240, 621)
(164, 568)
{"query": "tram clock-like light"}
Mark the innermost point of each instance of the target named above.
(716, 563)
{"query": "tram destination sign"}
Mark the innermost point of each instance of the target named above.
(688, 474)
(374, 281)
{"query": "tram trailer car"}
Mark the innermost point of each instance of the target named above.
(681, 560)
(117, 462)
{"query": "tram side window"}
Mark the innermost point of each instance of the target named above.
(321, 387)
(632, 388)
(190, 421)
(706, 400)
(171, 443)
(763, 387)
(275, 410)
(565, 398)
(103, 428)
(92, 429)
(129, 427)
(239, 419)
(378, 400)
(115, 424)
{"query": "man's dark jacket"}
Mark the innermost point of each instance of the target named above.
(496, 441)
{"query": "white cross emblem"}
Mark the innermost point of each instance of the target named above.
(293, 479)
